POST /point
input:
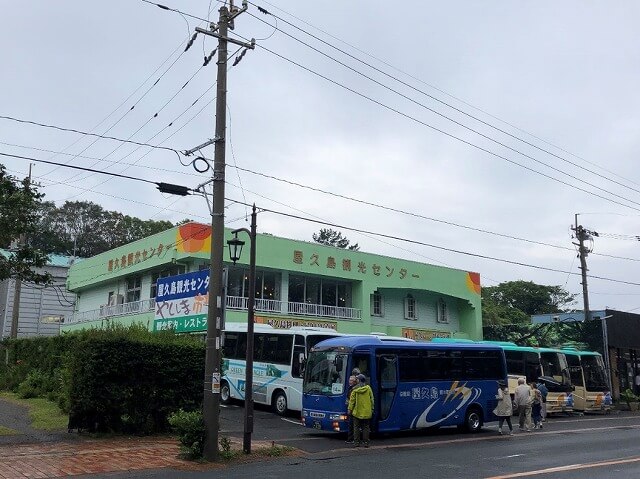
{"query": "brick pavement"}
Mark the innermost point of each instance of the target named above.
(89, 456)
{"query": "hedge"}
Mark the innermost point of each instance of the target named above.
(116, 380)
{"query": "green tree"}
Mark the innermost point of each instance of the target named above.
(513, 302)
(330, 237)
(84, 229)
(19, 222)
(507, 310)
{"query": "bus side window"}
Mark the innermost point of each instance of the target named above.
(361, 361)
(297, 367)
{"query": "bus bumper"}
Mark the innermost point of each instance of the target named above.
(325, 421)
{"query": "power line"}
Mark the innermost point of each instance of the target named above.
(124, 102)
(451, 135)
(164, 7)
(163, 187)
(38, 160)
(456, 122)
(337, 195)
(80, 132)
(430, 245)
(515, 127)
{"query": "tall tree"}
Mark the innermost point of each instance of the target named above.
(507, 310)
(85, 229)
(330, 237)
(18, 223)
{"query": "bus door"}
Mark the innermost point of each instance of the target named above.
(577, 381)
(385, 393)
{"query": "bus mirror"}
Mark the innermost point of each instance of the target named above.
(301, 360)
(338, 363)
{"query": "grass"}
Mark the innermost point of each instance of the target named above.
(5, 431)
(45, 415)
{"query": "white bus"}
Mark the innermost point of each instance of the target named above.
(278, 363)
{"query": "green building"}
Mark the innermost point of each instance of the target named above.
(297, 284)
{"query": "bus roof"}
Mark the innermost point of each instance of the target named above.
(353, 342)
(577, 352)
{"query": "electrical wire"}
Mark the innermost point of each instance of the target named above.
(451, 135)
(430, 245)
(456, 122)
(515, 127)
(164, 7)
(38, 160)
(80, 132)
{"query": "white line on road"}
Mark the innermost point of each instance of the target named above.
(511, 456)
(298, 423)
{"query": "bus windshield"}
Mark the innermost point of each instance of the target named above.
(313, 339)
(556, 371)
(594, 376)
(325, 373)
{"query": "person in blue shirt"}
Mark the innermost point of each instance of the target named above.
(543, 392)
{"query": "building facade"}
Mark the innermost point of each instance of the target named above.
(41, 309)
(297, 283)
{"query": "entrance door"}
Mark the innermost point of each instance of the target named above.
(387, 379)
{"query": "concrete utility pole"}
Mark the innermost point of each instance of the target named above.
(581, 236)
(211, 404)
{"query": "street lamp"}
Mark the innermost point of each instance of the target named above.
(235, 251)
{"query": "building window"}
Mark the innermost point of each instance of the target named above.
(443, 312)
(134, 285)
(377, 306)
(163, 274)
(311, 290)
(410, 311)
(267, 284)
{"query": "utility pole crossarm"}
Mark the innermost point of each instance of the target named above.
(251, 45)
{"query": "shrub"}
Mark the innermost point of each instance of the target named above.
(36, 384)
(628, 396)
(191, 432)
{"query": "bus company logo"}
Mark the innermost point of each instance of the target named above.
(455, 399)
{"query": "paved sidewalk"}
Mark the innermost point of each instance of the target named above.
(94, 456)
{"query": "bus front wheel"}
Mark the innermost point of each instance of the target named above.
(225, 393)
(473, 420)
(280, 403)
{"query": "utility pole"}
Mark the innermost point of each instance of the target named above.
(15, 313)
(213, 359)
(581, 236)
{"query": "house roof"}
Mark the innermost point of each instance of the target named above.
(58, 260)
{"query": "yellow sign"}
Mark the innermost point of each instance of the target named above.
(424, 334)
(286, 323)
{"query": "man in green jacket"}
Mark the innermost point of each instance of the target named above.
(361, 409)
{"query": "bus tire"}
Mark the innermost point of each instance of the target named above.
(473, 419)
(225, 392)
(279, 403)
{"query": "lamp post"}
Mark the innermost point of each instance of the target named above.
(235, 251)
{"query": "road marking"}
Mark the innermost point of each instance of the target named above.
(511, 456)
(567, 468)
(291, 421)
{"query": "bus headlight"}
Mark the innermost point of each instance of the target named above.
(305, 413)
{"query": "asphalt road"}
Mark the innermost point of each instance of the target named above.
(567, 448)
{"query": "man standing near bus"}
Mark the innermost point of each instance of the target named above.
(544, 392)
(522, 398)
(361, 409)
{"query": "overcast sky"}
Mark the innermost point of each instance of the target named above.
(565, 72)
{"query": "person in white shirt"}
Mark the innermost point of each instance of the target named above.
(522, 399)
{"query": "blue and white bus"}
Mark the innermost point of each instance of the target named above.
(415, 384)
(278, 362)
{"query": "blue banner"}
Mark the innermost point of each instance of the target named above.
(183, 286)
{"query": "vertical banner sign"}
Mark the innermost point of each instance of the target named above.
(181, 302)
